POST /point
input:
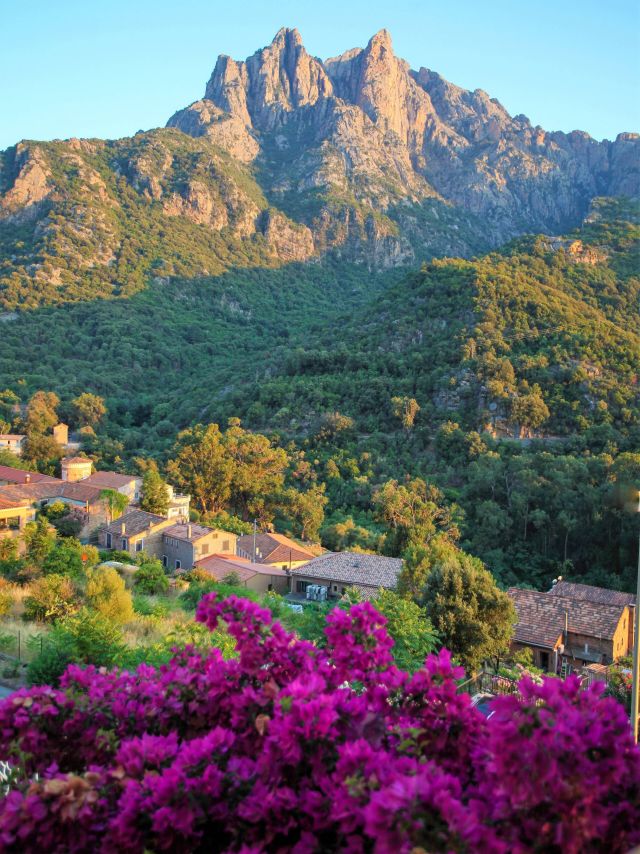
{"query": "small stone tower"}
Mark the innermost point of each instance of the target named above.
(75, 468)
(61, 434)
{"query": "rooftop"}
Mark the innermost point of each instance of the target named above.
(597, 595)
(15, 437)
(541, 617)
(110, 479)
(75, 460)
(52, 488)
(135, 522)
(353, 568)
(20, 476)
(189, 532)
(273, 548)
(219, 566)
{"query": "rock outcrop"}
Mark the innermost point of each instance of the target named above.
(366, 125)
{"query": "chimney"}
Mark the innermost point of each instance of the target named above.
(27, 479)
(123, 527)
(189, 529)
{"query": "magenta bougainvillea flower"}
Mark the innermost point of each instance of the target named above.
(287, 747)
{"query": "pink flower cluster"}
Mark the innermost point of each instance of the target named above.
(290, 747)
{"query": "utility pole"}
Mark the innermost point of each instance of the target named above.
(255, 531)
(635, 674)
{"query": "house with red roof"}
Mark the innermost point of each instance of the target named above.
(273, 549)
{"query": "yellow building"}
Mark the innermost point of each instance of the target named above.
(14, 515)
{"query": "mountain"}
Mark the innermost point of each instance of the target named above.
(288, 158)
(364, 126)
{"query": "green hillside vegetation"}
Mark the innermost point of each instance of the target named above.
(508, 381)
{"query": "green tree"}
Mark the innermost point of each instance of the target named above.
(406, 410)
(409, 626)
(306, 509)
(150, 578)
(414, 511)
(202, 468)
(66, 558)
(115, 502)
(155, 494)
(107, 595)
(89, 409)
(39, 538)
(41, 415)
(473, 618)
(84, 638)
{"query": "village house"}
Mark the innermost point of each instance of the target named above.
(85, 498)
(258, 577)
(13, 442)
(337, 571)
(184, 543)
(177, 544)
(9, 475)
(14, 515)
(126, 484)
(134, 532)
(273, 549)
(598, 596)
(564, 629)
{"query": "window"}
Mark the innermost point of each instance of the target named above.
(225, 545)
(301, 586)
(335, 588)
(178, 564)
(344, 590)
(270, 587)
(165, 562)
(204, 549)
(139, 545)
(124, 545)
(284, 566)
(109, 541)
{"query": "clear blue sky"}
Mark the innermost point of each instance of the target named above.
(108, 68)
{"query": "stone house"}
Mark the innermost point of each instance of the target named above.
(183, 544)
(273, 549)
(127, 484)
(258, 577)
(134, 532)
(13, 442)
(598, 596)
(337, 571)
(568, 630)
(14, 515)
(51, 490)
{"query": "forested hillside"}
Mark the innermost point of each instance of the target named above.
(510, 381)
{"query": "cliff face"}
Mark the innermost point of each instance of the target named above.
(288, 157)
(365, 125)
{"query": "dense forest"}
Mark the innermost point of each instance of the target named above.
(509, 381)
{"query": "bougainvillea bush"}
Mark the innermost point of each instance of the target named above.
(290, 747)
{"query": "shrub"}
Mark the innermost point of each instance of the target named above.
(288, 746)
(107, 595)
(6, 599)
(151, 578)
(87, 638)
(50, 599)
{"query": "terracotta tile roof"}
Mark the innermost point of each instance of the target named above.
(135, 522)
(541, 618)
(273, 548)
(15, 437)
(110, 479)
(354, 569)
(587, 593)
(73, 460)
(180, 530)
(6, 504)
(220, 566)
(20, 476)
(52, 489)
